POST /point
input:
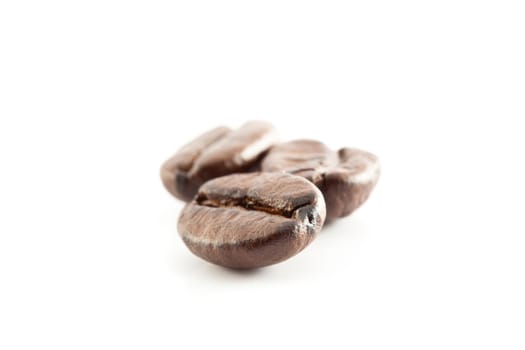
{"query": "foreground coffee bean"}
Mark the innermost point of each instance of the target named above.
(215, 153)
(252, 220)
(345, 177)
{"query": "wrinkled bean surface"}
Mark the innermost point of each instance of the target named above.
(252, 220)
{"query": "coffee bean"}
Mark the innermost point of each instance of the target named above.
(345, 177)
(215, 153)
(252, 220)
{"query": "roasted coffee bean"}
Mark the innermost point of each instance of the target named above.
(345, 177)
(252, 220)
(215, 153)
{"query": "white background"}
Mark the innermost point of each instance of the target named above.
(94, 95)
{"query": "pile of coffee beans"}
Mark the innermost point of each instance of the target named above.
(253, 201)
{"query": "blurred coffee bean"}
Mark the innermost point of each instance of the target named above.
(220, 151)
(346, 177)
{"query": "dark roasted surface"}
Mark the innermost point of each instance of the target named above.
(252, 220)
(215, 153)
(345, 177)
